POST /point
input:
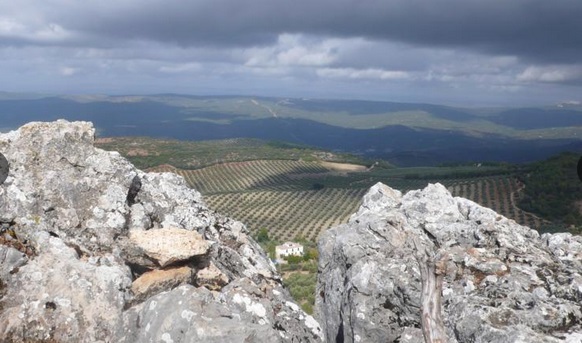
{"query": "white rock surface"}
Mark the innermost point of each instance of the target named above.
(504, 282)
(68, 274)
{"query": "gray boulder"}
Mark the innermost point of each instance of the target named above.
(503, 282)
(76, 266)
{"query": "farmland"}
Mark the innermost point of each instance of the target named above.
(286, 197)
(297, 191)
(290, 214)
(501, 194)
(302, 198)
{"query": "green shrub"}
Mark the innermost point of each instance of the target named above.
(307, 307)
(293, 259)
(263, 236)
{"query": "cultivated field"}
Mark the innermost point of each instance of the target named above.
(234, 177)
(302, 198)
(286, 197)
(498, 193)
(289, 214)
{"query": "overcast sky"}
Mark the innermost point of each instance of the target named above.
(468, 52)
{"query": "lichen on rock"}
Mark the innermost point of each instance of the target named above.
(103, 252)
(503, 282)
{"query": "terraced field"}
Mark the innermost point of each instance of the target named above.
(303, 198)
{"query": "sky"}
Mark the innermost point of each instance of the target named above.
(457, 52)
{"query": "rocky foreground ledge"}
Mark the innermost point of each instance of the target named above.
(502, 281)
(94, 250)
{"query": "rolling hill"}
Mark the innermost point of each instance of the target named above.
(405, 134)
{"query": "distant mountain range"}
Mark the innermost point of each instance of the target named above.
(403, 133)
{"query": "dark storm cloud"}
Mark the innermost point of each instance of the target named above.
(541, 31)
(456, 51)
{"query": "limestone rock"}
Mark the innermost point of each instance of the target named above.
(240, 313)
(10, 261)
(170, 245)
(70, 270)
(156, 281)
(56, 296)
(211, 278)
(504, 283)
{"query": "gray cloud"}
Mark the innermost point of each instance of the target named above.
(536, 30)
(408, 50)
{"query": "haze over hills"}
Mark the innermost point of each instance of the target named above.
(403, 133)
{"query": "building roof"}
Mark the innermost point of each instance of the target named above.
(289, 245)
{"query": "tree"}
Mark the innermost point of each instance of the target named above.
(263, 236)
(294, 259)
(310, 254)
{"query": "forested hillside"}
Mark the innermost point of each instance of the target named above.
(554, 191)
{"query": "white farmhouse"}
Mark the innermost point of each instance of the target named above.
(288, 249)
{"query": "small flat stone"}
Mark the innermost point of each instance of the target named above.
(170, 245)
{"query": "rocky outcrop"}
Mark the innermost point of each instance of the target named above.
(94, 250)
(502, 282)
